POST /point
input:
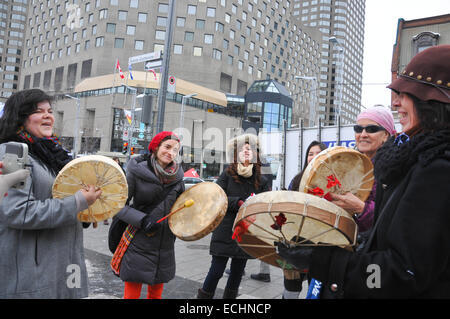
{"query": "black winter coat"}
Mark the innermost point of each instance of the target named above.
(149, 260)
(221, 242)
(410, 251)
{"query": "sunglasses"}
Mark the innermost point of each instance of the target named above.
(368, 128)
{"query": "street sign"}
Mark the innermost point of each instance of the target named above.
(145, 57)
(150, 65)
(125, 136)
(171, 85)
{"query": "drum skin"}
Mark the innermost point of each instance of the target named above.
(100, 171)
(306, 216)
(200, 219)
(353, 169)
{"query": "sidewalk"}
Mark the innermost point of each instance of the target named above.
(193, 261)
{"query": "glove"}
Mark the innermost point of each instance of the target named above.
(149, 224)
(299, 256)
(9, 180)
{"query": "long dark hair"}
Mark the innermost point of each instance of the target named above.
(232, 168)
(17, 108)
(432, 115)
(295, 184)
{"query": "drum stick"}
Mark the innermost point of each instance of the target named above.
(187, 203)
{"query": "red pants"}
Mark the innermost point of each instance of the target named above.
(133, 291)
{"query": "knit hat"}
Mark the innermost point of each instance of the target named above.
(158, 138)
(427, 75)
(381, 115)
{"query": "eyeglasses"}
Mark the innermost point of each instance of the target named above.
(368, 128)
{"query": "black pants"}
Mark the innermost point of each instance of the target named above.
(217, 269)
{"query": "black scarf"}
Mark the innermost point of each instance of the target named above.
(392, 161)
(48, 150)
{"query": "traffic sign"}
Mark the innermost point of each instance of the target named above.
(171, 85)
(150, 65)
(145, 57)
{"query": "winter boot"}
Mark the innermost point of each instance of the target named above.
(229, 294)
(204, 294)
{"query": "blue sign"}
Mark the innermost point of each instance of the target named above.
(348, 143)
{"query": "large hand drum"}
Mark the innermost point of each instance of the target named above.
(101, 172)
(207, 212)
(339, 170)
(297, 218)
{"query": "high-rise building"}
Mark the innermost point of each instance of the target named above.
(341, 23)
(13, 15)
(224, 45)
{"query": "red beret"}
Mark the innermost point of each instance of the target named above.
(156, 141)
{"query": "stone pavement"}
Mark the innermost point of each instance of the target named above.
(193, 261)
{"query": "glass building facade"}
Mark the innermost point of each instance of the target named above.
(268, 104)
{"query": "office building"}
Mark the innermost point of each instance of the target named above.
(223, 45)
(341, 23)
(13, 16)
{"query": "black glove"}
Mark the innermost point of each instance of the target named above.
(299, 256)
(149, 224)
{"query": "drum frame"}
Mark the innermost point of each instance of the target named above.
(267, 253)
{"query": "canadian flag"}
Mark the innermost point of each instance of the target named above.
(120, 70)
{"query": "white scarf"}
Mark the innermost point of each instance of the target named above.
(245, 171)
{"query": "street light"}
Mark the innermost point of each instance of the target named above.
(183, 103)
(337, 44)
(76, 130)
(312, 106)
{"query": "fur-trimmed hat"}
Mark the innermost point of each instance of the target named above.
(427, 75)
(235, 144)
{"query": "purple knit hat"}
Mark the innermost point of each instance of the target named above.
(381, 115)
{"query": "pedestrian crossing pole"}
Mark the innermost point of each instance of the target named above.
(165, 69)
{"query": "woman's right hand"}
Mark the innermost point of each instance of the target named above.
(91, 194)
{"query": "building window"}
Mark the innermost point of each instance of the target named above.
(139, 45)
(99, 41)
(211, 12)
(163, 8)
(217, 54)
(424, 40)
(177, 49)
(131, 29)
(200, 24)
(209, 38)
(191, 9)
(134, 3)
(198, 51)
(122, 15)
(103, 14)
(160, 35)
(119, 43)
(111, 28)
(161, 21)
(142, 17)
(181, 21)
(189, 36)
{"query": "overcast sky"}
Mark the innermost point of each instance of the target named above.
(380, 32)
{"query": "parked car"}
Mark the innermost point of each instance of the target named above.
(191, 181)
(212, 179)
